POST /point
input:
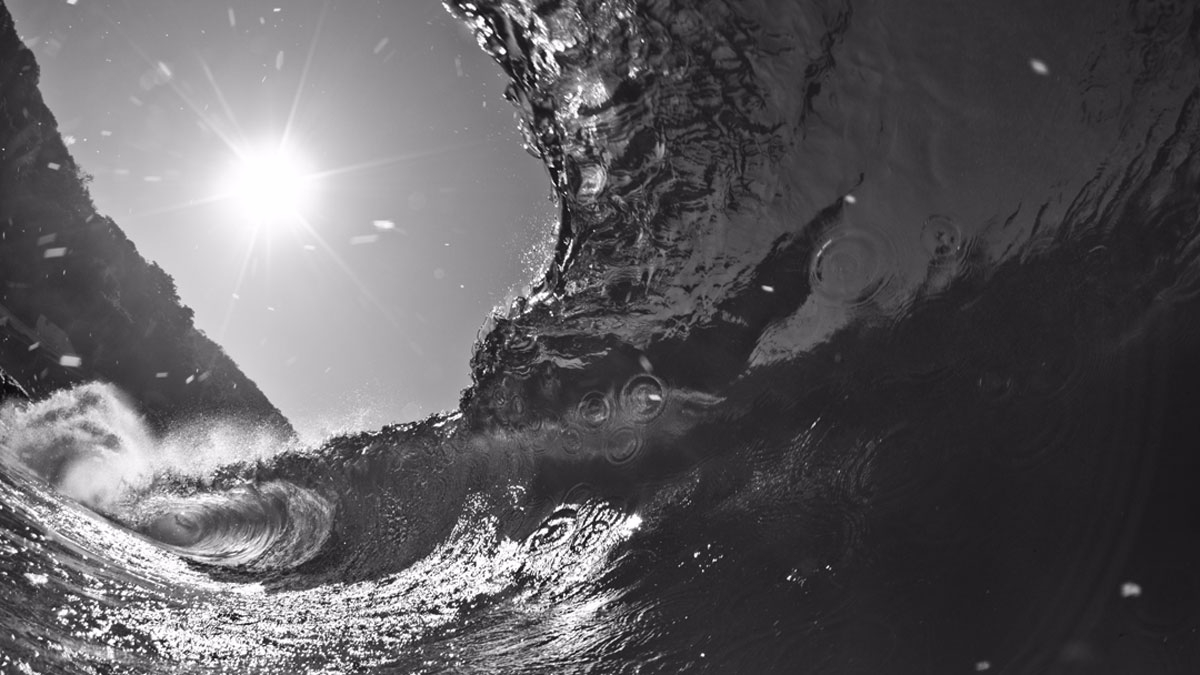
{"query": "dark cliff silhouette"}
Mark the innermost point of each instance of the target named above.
(77, 300)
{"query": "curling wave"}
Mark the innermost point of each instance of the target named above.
(268, 526)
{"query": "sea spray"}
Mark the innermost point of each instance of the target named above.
(92, 445)
(88, 442)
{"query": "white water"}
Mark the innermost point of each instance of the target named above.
(91, 444)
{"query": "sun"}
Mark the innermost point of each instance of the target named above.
(268, 184)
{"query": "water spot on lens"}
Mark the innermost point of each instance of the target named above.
(1058, 368)
(579, 493)
(571, 441)
(595, 409)
(554, 530)
(593, 527)
(622, 284)
(623, 445)
(516, 408)
(943, 240)
(1168, 605)
(592, 178)
(1046, 432)
(852, 267)
(176, 529)
(995, 385)
(643, 398)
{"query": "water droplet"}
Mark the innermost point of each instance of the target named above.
(995, 385)
(595, 409)
(624, 444)
(852, 267)
(943, 240)
(572, 441)
(592, 178)
(643, 398)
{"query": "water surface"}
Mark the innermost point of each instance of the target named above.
(869, 344)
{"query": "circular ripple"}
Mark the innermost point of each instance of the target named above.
(623, 445)
(643, 398)
(595, 409)
(851, 267)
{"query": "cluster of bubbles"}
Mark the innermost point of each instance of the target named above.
(612, 424)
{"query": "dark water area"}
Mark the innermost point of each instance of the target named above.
(870, 344)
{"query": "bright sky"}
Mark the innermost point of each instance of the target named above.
(392, 204)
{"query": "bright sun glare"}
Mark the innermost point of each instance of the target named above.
(268, 185)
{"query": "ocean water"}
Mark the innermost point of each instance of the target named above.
(870, 344)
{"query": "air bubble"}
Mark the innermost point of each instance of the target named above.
(643, 398)
(595, 409)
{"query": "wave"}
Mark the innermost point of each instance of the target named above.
(90, 443)
(268, 526)
(801, 384)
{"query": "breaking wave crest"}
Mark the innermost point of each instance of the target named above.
(90, 443)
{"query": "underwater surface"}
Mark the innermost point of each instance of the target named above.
(870, 344)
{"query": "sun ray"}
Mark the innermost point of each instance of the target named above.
(396, 159)
(232, 144)
(204, 119)
(175, 208)
(237, 286)
(312, 50)
(362, 288)
(228, 130)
